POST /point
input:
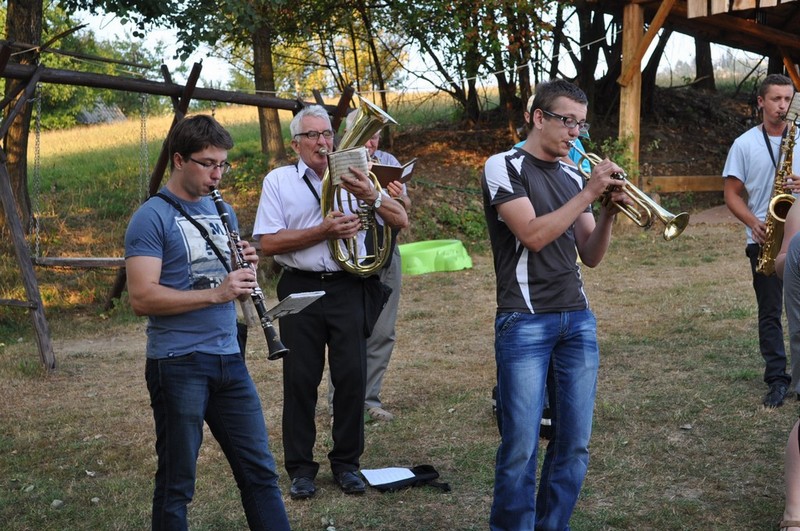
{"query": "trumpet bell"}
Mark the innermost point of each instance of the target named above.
(645, 210)
(676, 226)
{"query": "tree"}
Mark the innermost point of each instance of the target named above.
(206, 21)
(23, 24)
(704, 78)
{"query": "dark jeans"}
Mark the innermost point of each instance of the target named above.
(769, 296)
(184, 392)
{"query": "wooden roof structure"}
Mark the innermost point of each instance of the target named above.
(765, 27)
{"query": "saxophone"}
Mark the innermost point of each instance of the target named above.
(778, 206)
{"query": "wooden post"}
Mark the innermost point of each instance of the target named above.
(630, 100)
(41, 328)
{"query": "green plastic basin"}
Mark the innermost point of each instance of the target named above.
(434, 255)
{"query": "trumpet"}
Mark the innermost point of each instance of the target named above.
(644, 211)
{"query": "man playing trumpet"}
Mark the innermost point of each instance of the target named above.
(539, 214)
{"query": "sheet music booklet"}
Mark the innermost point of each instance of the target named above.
(387, 174)
(339, 163)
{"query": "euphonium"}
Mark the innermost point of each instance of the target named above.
(778, 206)
(645, 211)
(369, 120)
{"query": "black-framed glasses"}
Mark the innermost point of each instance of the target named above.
(313, 135)
(224, 167)
(569, 123)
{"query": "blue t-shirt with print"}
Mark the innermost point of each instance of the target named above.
(157, 229)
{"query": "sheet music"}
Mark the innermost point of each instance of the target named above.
(293, 304)
(339, 163)
(381, 476)
(407, 171)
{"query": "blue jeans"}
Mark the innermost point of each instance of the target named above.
(525, 345)
(184, 392)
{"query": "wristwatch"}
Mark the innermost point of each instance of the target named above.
(378, 200)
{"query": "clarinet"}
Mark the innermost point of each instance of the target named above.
(276, 349)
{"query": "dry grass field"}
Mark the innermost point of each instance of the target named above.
(681, 440)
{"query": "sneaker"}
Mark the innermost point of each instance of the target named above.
(378, 413)
(774, 398)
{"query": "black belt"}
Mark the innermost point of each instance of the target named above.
(319, 275)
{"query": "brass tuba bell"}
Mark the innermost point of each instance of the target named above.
(369, 120)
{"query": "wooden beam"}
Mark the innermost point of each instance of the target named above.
(630, 99)
(79, 262)
(40, 326)
(737, 26)
(655, 25)
(726, 29)
(341, 108)
(791, 68)
(14, 224)
(146, 86)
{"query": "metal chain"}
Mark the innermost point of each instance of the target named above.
(37, 173)
(144, 156)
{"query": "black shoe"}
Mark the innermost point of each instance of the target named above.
(349, 482)
(302, 488)
(775, 396)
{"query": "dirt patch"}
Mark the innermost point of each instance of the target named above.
(717, 215)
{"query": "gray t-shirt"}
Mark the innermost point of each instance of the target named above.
(187, 263)
(527, 281)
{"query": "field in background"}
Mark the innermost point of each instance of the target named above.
(91, 179)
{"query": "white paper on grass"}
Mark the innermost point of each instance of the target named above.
(382, 476)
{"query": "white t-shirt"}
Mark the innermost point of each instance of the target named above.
(750, 162)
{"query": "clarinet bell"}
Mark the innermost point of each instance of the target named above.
(277, 349)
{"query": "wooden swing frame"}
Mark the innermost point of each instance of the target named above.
(181, 96)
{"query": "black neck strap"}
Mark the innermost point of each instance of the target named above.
(202, 229)
(769, 145)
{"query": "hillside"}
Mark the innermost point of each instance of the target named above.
(688, 132)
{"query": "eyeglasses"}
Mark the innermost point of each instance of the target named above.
(569, 123)
(313, 135)
(223, 167)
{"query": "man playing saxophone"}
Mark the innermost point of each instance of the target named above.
(753, 164)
